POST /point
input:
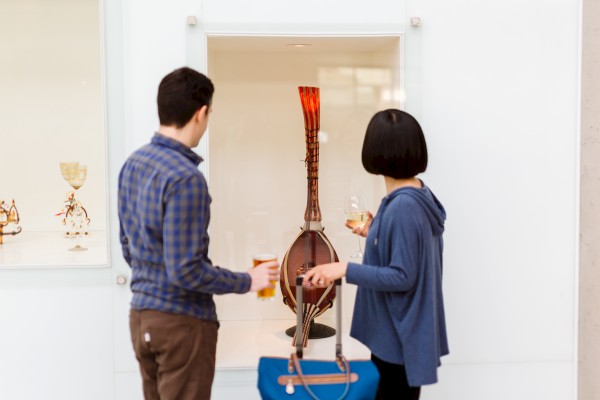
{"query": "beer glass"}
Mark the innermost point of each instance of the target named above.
(267, 293)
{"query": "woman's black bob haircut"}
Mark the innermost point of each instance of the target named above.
(394, 145)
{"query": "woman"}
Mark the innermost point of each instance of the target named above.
(399, 311)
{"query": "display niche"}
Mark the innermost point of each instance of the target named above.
(53, 183)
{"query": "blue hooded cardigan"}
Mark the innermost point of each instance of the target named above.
(399, 309)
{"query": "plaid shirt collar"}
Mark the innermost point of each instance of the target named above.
(162, 140)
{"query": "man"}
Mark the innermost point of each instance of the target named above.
(164, 215)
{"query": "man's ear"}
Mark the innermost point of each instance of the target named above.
(202, 113)
(199, 114)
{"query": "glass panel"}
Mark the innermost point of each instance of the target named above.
(51, 108)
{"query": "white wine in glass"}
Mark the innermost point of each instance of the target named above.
(356, 215)
(356, 219)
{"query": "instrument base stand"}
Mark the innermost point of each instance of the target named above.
(316, 331)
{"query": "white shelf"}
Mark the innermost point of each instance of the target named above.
(51, 249)
(242, 343)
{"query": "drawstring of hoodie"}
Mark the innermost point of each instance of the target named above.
(379, 215)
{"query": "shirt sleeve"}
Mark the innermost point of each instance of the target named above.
(124, 244)
(122, 212)
(401, 239)
(185, 233)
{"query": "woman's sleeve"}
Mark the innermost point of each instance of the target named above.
(400, 238)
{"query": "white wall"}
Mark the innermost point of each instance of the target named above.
(56, 341)
(589, 325)
(499, 106)
(503, 114)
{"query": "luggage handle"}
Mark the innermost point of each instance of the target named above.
(341, 361)
(338, 321)
(296, 361)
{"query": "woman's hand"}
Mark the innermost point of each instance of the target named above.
(362, 230)
(325, 274)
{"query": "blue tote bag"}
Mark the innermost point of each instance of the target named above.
(294, 378)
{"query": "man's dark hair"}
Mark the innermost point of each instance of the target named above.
(180, 94)
(394, 145)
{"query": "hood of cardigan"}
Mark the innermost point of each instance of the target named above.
(426, 199)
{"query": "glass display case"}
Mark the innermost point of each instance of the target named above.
(256, 163)
(52, 108)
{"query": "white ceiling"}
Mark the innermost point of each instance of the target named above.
(282, 44)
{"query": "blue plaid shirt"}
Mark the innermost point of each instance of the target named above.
(164, 211)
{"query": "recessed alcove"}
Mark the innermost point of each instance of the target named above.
(52, 110)
(256, 171)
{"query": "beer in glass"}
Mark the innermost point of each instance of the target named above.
(267, 293)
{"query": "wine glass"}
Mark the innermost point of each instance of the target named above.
(77, 179)
(356, 215)
(68, 169)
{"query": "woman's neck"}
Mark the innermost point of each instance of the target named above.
(392, 184)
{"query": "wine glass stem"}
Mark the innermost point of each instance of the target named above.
(359, 246)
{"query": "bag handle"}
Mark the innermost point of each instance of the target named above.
(338, 319)
(341, 359)
(299, 312)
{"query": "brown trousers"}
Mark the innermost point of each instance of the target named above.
(176, 354)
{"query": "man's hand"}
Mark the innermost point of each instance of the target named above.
(264, 276)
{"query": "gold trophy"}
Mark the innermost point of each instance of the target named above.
(8, 215)
(74, 212)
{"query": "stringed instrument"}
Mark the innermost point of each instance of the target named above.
(311, 247)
